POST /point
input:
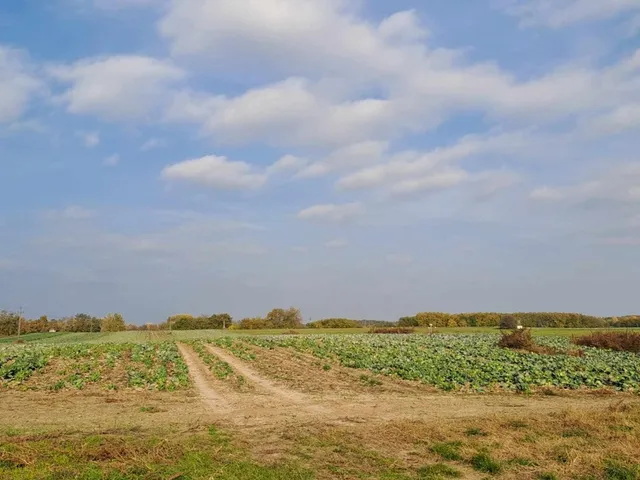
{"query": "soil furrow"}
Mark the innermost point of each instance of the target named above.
(199, 376)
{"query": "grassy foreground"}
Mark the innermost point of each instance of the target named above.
(572, 444)
(204, 454)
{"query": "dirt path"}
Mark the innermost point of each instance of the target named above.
(199, 376)
(254, 377)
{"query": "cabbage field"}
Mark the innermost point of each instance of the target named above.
(154, 366)
(466, 362)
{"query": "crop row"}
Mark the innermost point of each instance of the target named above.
(112, 366)
(469, 362)
(220, 369)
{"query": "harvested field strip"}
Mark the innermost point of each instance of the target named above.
(220, 369)
(310, 374)
(252, 376)
(199, 375)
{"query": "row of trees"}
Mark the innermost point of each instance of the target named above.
(81, 322)
(185, 321)
(278, 318)
(291, 318)
(335, 323)
(492, 319)
(625, 322)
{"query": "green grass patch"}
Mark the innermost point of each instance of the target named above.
(483, 462)
(617, 470)
(438, 471)
(547, 476)
(198, 456)
(448, 450)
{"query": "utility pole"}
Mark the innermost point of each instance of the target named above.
(19, 321)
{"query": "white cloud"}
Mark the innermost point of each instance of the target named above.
(621, 184)
(121, 87)
(72, 212)
(305, 35)
(337, 243)
(407, 170)
(151, 144)
(287, 163)
(560, 13)
(623, 118)
(446, 178)
(292, 112)
(90, 139)
(332, 212)
(111, 160)
(333, 58)
(216, 172)
(346, 158)
(18, 84)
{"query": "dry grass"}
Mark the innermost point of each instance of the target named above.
(620, 341)
(570, 444)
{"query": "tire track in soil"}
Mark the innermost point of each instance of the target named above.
(289, 396)
(199, 376)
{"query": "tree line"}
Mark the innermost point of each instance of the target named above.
(12, 322)
(291, 318)
(493, 319)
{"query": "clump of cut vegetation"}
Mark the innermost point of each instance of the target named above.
(619, 341)
(393, 330)
(518, 340)
(522, 339)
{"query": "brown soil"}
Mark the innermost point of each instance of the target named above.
(201, 379)
(309, 374)
(286, 395)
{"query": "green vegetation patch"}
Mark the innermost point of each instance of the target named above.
(465, 362)
(134, 457)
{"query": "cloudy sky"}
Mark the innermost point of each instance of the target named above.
(360, 158)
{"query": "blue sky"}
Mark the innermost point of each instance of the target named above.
(358, 158)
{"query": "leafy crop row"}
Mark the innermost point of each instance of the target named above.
(235, 346)
(150, 366)
(469, 362)
(221, 369)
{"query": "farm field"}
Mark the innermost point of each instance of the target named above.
(183, 335)
(200, 405)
